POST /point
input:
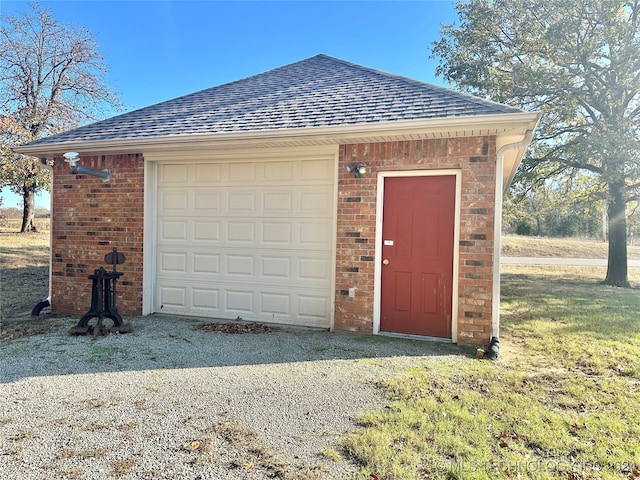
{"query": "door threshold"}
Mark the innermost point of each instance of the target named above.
(410, 336)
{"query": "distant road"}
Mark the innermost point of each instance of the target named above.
(587, 262)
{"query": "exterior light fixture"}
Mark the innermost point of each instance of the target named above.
(358, 170)
(72, 158)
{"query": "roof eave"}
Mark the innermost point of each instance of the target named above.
(477, 125)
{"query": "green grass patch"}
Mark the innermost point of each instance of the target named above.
(563, 401)
(103, 354)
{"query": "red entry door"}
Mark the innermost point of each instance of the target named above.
(417, 255)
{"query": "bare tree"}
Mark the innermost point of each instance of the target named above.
(52, 78)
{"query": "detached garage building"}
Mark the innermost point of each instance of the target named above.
(321, 194)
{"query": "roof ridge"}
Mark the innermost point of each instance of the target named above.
(413, 81)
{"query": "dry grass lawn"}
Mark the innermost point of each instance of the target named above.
(24, 278)
(562, 402)
(517, 246)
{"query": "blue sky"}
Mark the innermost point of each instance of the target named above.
(158, 50)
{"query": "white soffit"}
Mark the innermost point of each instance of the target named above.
(517, 124)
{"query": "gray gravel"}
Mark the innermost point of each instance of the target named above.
(169, 401)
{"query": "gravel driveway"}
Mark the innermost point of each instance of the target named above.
(172, 401)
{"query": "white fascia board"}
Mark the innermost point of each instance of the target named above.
(437, 127)
(510, 148)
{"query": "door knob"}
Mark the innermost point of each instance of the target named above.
(385, 261)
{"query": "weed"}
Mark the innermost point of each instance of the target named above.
(558, 404)
(71, 473)
(103, 353)
(66, 453)
(238, 448)
(332, 454)
(122, 467)
(93, 453)
(125, 427)
(23, 435)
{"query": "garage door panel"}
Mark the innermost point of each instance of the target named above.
(277, 233)
(209, 173)
(206, 263)
(297, 233)
(281, 172)
(240, 232)
(173, 230)
(313, 269)
(242, 172)
(174, 201)
(247, 239)
(313, 307)
(206, 202)
(239, 300)
(206, 231)
(314, 170)
(276, 268)
(277, 202)
(315, 201)
(173, 175)
(205, 299)
(173, 296)
(242, 202)
(173, 262)
(275, 304)
(240, 265)
(313, 234)
(271, 304)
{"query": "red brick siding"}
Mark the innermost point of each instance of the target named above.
(89, 218)
(476, 158)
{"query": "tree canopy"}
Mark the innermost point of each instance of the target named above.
(52, 78)
(576, 61)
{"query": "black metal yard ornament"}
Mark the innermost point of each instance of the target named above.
(103, 300)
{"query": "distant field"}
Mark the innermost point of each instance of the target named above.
(12, 225)
(516, 246)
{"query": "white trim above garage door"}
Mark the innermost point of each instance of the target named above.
(249, 236)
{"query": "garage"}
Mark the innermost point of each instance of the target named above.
(248, 238)
(264, 199)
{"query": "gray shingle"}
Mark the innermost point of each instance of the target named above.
(320, 91)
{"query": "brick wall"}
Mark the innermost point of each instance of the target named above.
(89, 218)
(476, 158)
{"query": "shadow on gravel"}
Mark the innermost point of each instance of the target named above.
(163, 342)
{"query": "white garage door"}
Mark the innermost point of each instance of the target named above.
(247, 239)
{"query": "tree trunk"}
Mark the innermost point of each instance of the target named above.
(617, 262)
(29, 210)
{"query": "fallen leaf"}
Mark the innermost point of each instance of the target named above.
(235, 328)
(193, 446)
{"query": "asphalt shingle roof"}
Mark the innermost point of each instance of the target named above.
(320, 91)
